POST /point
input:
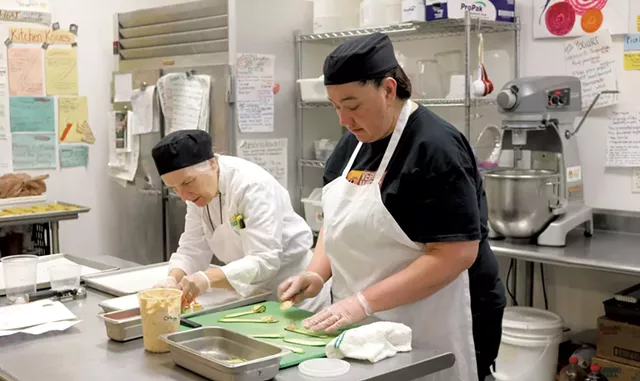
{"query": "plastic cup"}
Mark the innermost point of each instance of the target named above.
(65, 277)
(160, 313)
(20, 277)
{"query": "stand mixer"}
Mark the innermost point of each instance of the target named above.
(537, 191)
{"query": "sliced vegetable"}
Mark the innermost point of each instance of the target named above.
(292, 348)
(286, 305)
(309, 343)
(236, 360)
(266, 319)
(293, 328)
(254, 310)
(268, 336)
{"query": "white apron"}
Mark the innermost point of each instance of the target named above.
(366, 245)
(226, 244)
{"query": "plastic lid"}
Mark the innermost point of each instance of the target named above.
(573, 360)
(530, 318)
(324, 367)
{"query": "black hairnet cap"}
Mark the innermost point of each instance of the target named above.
(360, 59)
(181, 149)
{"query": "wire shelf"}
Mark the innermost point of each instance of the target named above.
(312, 163)
(425, 102)
(415, 30)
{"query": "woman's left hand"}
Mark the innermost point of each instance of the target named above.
(348, 311)
(193, 286)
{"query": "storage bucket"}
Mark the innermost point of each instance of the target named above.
(529, 346)
(313, 209)
(335, 15)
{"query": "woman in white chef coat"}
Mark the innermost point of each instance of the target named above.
(236, 211)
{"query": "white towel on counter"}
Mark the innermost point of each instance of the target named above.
(373, 342)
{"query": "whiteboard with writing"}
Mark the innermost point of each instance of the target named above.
(270, 154)
(254, 92)
(591, 59)
(623, 139)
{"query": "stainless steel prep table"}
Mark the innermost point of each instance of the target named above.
(84, 352)
(606, 251)
(52, 218)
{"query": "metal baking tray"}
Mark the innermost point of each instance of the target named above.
(205, 351)
(124, 325)
(43, 281)
(45, 216)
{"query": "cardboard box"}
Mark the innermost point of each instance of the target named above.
(618, 342)
(617, 372)
(494, 10)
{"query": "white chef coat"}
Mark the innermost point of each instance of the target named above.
(274, 245)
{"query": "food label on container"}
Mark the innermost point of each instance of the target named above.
(574, 174)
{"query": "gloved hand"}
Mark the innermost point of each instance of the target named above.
(193, 286)
(348, 311)
(169, 282)
(301, 287)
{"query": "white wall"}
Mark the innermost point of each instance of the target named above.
(92, 234)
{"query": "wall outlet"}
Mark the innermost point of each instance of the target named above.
(635, 180)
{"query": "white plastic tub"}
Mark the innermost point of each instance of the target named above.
(529, 347)
(335, 15)
(312, 89)
(313, 209)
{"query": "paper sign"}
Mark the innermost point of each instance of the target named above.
(145, 117)
(632, 42)
(591, 60)
(631, 60)
(26, 16)
(32, 114)
(623, 139)
(25, 71)
(72, 112)
(27, 5)
(254, 92)
(84, 130)
(123, 86)
(61, 70)
(270, 154)
(40, 35)
(184, 101)
(34, 151)
(638, 24)
(74, 156)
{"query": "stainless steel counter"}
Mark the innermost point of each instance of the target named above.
(84, 352)
(605, 251)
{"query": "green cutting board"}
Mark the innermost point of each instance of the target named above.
(284, 318)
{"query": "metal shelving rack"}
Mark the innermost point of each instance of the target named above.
(407, 32)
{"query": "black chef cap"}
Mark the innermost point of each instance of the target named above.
(360, 59)
(181, 149)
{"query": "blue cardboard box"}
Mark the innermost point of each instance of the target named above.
(494, 10)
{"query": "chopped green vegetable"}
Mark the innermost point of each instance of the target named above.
(254, 310)
(292, 349)
(292, 328)
(310, 343)
(236, 360)
(266, 319)
(268, 336)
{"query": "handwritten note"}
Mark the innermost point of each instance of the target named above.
(72, 112)
(145, 111)
(29, 5)
(74, 156)
(184, 101)
(631, 60)
(591, 60)
(623, 139)
(123, 87)
(6, 162)
(32, 114)
(25, 16)
(25, 71)
(638, 24)
(34, 151)
(254, 92)
(40, 35)
(631, 42)
(61, 70)
(270, 154)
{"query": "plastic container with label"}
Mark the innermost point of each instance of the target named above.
(160, 313)
(313, 209)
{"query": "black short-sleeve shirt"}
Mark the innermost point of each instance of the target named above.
(434, 191)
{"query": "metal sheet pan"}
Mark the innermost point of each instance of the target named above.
(101, 268)
(52, 216)
(112, 286)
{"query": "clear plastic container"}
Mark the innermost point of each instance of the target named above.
(20, 276)
(65, 277)
(323, 148)
(160, 313)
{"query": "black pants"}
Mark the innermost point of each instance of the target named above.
(487, 332)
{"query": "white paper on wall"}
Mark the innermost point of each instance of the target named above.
(254, 92)
(270, 154)
(623, 138)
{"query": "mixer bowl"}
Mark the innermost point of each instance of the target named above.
(519, 200)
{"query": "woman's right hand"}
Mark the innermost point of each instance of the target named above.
(169, 282)
(301, 287)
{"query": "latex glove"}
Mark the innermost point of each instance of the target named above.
(348, 311)
(193, 286)
(300, 287)
(169, 282)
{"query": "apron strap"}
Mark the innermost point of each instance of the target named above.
(354, 155)
(393, 142)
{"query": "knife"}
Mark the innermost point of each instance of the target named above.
(58, 295)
